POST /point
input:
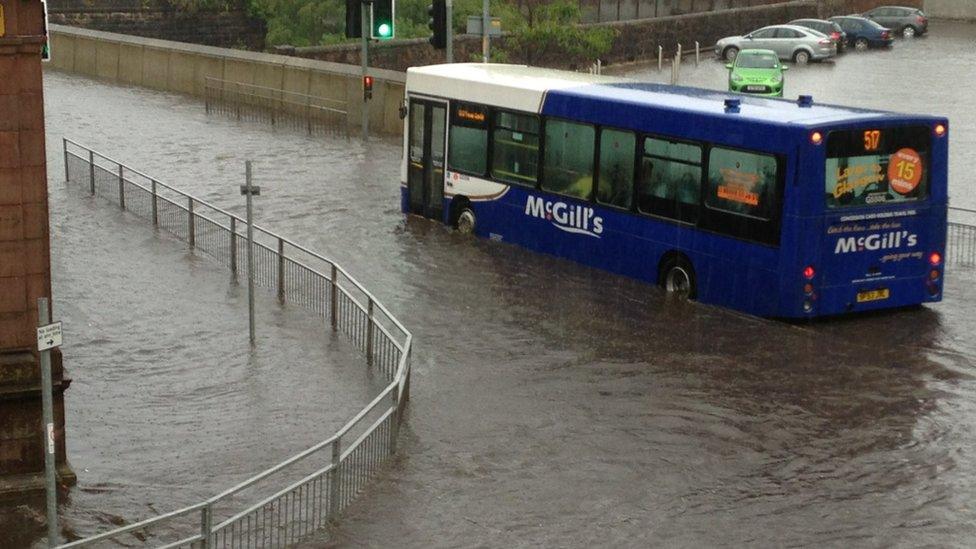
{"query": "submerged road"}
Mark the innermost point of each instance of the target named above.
(551, 404)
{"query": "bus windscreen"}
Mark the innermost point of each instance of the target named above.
(876, 167)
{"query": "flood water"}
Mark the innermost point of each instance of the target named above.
(552, 405)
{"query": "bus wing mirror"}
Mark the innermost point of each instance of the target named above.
(403, 112)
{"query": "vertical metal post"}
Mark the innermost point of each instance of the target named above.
(47, 404)
(250, 253)
(281, 270)
(233, 247)
(364, 61)
(334, 479)
(206, 525)
(697, 53)
(485, 21)
(191, 236)
(369, 332)
(121, 188)
(155, 203)
(660, 58)
(395, 421)
(449, 54)
(64, 146)
(91, 170)
(333, 305)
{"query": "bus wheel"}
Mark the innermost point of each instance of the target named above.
(466, 221)
(677, 277)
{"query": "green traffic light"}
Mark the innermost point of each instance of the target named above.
(384, 29)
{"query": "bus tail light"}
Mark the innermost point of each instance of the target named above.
(816, 138)
(935, 259)
(809, 272)
(940, 130)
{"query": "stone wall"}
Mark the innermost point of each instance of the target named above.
(231, 28)
(183, 68)
(25, 264)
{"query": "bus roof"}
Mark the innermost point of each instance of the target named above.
(526, 88)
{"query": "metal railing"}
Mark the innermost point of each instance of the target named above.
(961, 237)
(277, 107)
(322, 480)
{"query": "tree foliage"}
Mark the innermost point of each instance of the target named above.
(539, 30)
(550, 32)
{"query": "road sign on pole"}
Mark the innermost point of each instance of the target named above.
(48, 337)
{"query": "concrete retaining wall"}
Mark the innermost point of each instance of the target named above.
(951, 9)
(179, 67)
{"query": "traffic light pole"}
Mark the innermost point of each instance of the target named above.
(450, 32)
(485, 21)
(364, 57)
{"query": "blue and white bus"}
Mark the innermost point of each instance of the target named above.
(777, 208)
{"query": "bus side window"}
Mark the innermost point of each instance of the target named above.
(515, 150)
(468, 150)
(568, 167)
(670, 179)
(616, 183)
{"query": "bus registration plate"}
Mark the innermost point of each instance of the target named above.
(873, 295)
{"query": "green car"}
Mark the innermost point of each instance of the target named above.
(757, 72)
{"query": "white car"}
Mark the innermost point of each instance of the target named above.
(790, 42)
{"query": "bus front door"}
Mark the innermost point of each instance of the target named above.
(425, 175)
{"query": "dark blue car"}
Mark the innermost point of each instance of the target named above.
(864, 33)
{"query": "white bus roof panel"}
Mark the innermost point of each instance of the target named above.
(517, 87)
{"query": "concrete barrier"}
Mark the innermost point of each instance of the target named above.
(183, 68)
(951, 9)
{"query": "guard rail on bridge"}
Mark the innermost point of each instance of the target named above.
(277, 107)
(326, 477)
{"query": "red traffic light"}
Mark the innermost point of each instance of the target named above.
(368, 83)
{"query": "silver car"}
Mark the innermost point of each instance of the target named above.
(791, 42)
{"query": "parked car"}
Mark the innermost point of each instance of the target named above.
(829, 28)
(907, 22)
(788, 41)
(863, 33)
(757, 71)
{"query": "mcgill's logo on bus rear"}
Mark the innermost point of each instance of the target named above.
(876, 241)
(566, 217)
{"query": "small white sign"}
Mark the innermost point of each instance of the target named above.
(49, 337)
(50, 438)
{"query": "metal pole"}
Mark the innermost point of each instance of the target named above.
(206, 525)
(335, 479)
(121, 188)
(485, 21)
(369, 333)
(250, 253)
(64, 145)
(191, 235)
(233, 247)
(697, 53)
(47, 389)
(364, 58)
(281, 270)
(155, 203)
(660, 58)
(450, 33)
(91, 170)
(333, 305)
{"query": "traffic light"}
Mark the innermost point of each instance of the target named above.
(367, 88)
(438, 23)
(381, 20)
(354, 18)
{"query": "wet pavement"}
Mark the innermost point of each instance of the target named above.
(551, 404)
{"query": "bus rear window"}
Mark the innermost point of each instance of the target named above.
(877, 166)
